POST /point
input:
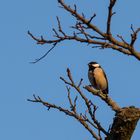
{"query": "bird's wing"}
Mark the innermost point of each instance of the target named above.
(106, 90)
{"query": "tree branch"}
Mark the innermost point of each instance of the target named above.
(134, 36)
(110, 14)
(124, 119)
(124, 124)
(85, 31)
(102, 40)
(67, 112)
(83, 119)
(87, 102)
(81, 18)
(104, 97)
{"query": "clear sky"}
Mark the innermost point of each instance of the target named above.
(19, 119)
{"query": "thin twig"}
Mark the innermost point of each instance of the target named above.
(38, 59)
(110, 14)
(67, 112)
(88, 103)
(87, 32)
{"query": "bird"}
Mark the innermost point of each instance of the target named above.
(97, 77)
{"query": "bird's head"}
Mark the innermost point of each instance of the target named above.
(93, 65)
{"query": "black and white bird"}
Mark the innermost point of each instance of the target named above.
(97, 77)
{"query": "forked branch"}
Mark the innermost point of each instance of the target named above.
(125, 118)
(88, 118)
(84, 31)
(105, 98)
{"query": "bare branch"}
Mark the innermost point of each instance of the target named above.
(38, 59)
(70, 76)
(75, 100)
(80, 17)
(80, 82)
(104, 97)
(91, 108)
(73, 107)
(85, 33)
(67, 112)
(122, 114)
(39, 41)
(94, 15)
(88, 103)
(60, 28)
(110, 14)
(134, 35)
(115, 44)
(122, 39)
(103, 44)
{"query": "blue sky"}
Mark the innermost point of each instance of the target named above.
(20, 79)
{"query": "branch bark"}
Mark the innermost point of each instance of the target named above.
(114, 106)
(124, 122)
(88, 118)
(84, 30)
